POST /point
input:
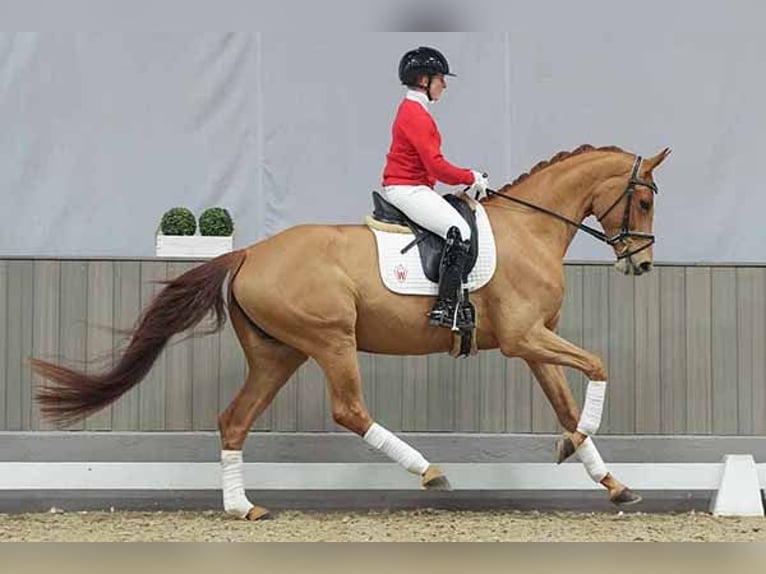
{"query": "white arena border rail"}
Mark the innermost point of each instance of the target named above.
(736, 481)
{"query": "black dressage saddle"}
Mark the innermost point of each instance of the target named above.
(429, 244)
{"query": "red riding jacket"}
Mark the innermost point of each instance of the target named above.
(415, 157)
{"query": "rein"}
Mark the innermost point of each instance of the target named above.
(625, 231)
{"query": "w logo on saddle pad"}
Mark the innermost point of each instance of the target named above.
(404, 272)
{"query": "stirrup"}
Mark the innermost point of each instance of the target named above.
(465, 316)
(458, 316)
(442, 314)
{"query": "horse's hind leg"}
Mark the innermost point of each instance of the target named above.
(341, 368)
(270, 366)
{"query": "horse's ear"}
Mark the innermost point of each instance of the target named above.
(651, 163)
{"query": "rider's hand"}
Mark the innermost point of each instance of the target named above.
(480, 184)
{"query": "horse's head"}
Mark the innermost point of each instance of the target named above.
(625, 208)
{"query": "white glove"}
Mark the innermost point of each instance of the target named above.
(480, 184)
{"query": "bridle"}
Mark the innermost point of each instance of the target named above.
(625, 231)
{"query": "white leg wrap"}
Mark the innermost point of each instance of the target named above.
(234, 499)
(590, 419)
(396, 449)
(592, 460)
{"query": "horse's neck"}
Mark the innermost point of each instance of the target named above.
(566, 189)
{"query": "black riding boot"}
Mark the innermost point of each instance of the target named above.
(451, 269)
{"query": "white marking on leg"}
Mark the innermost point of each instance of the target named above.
(590, 419)
(591, 459)
(235, 500)
(396, 449)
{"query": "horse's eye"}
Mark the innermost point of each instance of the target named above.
(645, 205)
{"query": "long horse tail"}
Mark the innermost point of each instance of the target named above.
(182, 304)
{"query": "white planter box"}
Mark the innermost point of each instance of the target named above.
(199, 246)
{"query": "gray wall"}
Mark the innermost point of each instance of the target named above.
(684, 346)
(102, 132)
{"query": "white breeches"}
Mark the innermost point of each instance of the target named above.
(427, 208)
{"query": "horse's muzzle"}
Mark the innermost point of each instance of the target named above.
(629, 267)
(644, 267)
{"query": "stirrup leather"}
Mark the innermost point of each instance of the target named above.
(464, 342)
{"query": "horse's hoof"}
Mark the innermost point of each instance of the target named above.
(434, 479)
(258, 513)
(438, 483)
(625, 497)
(564, 448)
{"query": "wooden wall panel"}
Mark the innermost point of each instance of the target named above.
(684, 348)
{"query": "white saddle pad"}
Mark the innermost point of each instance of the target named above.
(404, 273)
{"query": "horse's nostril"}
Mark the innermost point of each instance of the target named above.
(645, 266)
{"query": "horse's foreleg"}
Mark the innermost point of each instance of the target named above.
(546, 353)
(542, 346)
(270, 365)
(349, 410)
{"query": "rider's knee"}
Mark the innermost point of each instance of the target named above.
(464, 229)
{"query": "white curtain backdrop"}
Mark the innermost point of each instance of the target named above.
(102, 132)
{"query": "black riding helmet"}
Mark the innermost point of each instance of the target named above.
(422, 60)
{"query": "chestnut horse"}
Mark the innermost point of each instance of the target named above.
(315, 291)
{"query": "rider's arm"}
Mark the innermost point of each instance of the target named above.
(422, 133)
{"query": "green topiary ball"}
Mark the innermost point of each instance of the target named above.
(178, 221)
(216, 221)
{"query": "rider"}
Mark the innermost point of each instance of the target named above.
(415, 163)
